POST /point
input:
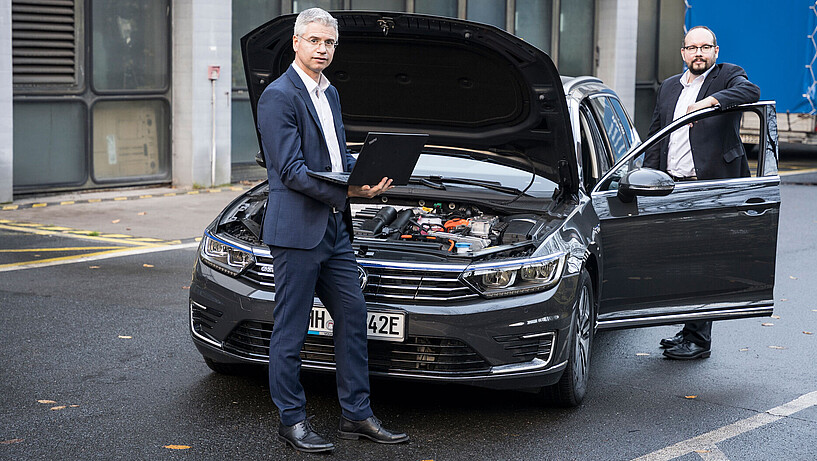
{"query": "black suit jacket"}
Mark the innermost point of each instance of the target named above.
(716, 147)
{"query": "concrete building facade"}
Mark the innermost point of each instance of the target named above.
(118, 93)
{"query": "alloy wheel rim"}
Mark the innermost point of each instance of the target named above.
(582, 337)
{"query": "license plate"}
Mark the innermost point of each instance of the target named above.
(383, 326)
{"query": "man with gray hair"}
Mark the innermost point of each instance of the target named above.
(307, 225)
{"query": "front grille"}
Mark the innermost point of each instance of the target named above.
(388, 283)
(417, 354)
(528, 346)
(203, 319)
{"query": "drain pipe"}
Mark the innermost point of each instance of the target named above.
(212, 74)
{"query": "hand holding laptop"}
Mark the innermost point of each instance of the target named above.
(369, 191)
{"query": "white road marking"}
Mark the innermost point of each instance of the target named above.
(106, 255)
(710, 439)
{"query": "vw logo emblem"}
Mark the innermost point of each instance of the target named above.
(362, 276)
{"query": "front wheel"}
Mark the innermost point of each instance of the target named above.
(571, 388)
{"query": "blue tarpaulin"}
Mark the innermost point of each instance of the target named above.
(770, 39)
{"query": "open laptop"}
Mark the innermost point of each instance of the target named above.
(392, 155)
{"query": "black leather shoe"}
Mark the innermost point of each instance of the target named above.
(674, 341)
(370, 428)
(687, 350)
(302, 437)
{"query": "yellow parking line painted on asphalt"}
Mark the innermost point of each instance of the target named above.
(117, 199)
(213, 191)
(170, 194)
(117, 236)
(145, 196)
(28, 228)
(791, 172)
(38, 205)
(56, 228)
(10, 207)
(64, 258)
(69, 202)
(146, 239)
(94, 200)
(42, 250)
(192, 192)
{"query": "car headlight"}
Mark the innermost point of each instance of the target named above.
(222, 256)
(515, 277)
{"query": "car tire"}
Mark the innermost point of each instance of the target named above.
(232, 369)
(572, 386)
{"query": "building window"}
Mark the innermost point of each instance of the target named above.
(130, 49)
(129, 140)
(576, 37)
(300, 5)
(533, 21)
(446, 8)
(487, 11)
(49, 144)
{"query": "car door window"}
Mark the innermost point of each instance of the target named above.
(594, 156)
(721, 157)
(617, 138)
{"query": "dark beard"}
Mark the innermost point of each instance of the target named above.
(697, 72)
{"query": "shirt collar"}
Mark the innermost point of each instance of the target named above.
(311, 84)
(697, 80)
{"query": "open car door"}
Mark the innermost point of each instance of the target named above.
(692, 250)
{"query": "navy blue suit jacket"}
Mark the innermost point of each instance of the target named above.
(716, 147)
(293, 143)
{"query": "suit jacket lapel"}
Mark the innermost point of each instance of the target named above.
(672, 101)
(299, 84)
(708, 82)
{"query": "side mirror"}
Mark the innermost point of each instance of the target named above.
(645, 182)
(259, 159)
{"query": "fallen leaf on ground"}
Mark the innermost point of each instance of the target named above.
(775, 316)
(58, 407)
(767, 324)
(744, 349)
(807, 333)
(142, 213)
(115, 221)
(793, 277)
(185, 287)
(93, 267)
(125, 337)
(641, 354)
(46, 401)
(10, 441)
(73, 406)
(177, 447)
(690, 396)
(147, 265)
(701, 451)
(776, 347)
(784, 299)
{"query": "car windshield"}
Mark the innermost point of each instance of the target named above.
(482, 170)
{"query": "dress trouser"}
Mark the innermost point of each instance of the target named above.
(699, 332)
(330, 270)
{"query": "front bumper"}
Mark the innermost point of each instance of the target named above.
(515, 342)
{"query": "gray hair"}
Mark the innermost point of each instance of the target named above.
(314, 15)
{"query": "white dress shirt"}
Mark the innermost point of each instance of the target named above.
(317, 94)
(679, 156)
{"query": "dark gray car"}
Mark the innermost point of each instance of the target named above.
(527, 224)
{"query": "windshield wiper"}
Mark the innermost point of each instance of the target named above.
(437, 182)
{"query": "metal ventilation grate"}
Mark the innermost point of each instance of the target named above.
(44, 41)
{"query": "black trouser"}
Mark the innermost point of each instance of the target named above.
(699, 332)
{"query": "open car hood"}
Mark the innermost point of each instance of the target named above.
(466, 84)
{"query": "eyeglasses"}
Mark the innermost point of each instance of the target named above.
(703, 48)
(316, 42)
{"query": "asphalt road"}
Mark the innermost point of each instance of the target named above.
(97, 363)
